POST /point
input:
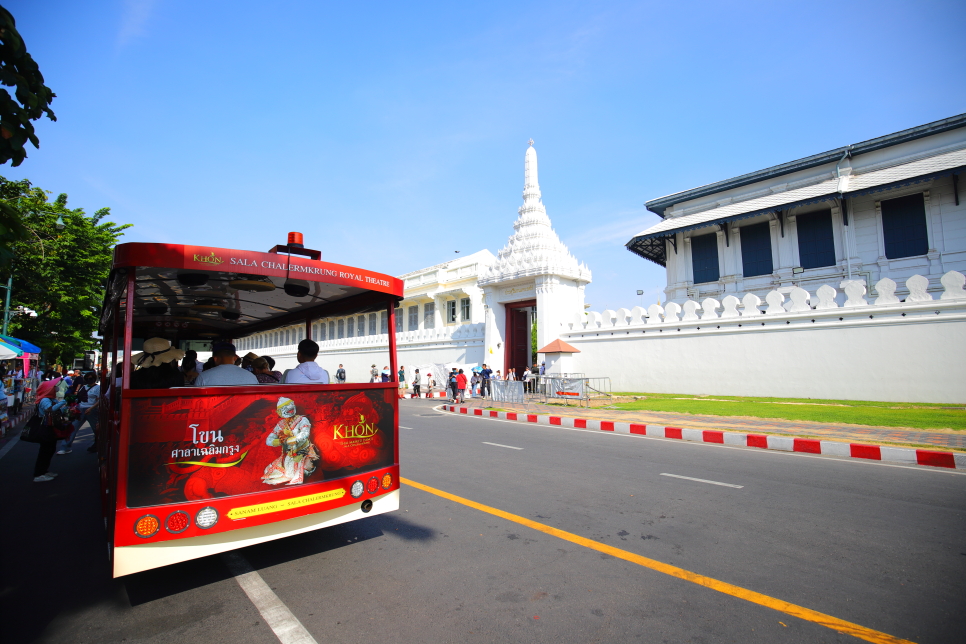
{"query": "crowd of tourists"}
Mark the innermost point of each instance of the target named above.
(459, 385)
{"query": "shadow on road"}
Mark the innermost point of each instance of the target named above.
(54, 565)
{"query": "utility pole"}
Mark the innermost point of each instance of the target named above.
(6, 305)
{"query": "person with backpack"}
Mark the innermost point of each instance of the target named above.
(82, 398)
(340, 375)
(47, 405)
(453, 384)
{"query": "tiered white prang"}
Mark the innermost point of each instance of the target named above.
(534, 248)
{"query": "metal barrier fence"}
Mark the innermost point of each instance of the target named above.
(553, 388)
(569, 387)
(508, 391)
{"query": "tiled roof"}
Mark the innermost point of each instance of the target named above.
(558, 346)
(855, 184)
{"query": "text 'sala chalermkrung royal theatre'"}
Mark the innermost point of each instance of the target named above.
(838, 275)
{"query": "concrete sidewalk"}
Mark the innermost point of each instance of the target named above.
(805, 429)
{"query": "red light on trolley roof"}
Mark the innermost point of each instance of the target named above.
(295, 239)
(147, 526)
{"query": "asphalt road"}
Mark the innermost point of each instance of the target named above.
(879, 546)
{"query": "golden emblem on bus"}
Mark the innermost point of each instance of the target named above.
(209, 259)
(362, 429)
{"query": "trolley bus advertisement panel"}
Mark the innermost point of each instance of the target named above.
(186, 449)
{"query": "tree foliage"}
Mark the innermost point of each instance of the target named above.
(60, 274)
(33, 98)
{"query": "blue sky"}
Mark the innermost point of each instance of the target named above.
(393, 134)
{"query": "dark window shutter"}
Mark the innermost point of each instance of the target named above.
(816, 245)
(756, 250)
(704, 258)
(904, 226)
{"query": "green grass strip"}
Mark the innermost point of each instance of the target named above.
(855, 412)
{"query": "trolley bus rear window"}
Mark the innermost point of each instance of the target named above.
(191, 448)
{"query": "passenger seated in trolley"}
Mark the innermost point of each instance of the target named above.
(308, 372)
(225, 372)
(155, 367)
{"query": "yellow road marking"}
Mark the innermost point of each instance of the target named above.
(794, 610)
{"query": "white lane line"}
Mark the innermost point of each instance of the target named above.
(498, 445)
(678, 476)
(286, 626)
(9, 446)
(401, 427)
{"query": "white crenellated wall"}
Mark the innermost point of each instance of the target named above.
(825, 344)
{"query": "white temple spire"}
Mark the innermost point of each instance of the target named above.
(534, 248)
(531, 184)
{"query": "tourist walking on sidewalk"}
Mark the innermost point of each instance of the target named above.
(475, 383)
(47, 404)
(461, 386)
(416, 382)
(453, 385)
(486, 373)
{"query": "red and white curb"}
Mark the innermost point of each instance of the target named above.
(13, 422)
(901, 455)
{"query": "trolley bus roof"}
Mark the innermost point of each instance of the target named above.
(201, 291)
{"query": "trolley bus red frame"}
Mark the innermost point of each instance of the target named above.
(162, 486)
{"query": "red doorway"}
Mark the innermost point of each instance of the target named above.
(517, 354)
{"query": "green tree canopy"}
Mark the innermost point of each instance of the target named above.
(33, 98)
(60, 274)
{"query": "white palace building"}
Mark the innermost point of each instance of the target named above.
(468, 311)
(836, 276)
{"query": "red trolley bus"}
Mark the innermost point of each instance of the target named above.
(192, 471)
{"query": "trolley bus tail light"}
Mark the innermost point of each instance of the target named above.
(177, 522)
(386, 481)
(147, 526)
(373, 485)
(206, 517)
(357, 489)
